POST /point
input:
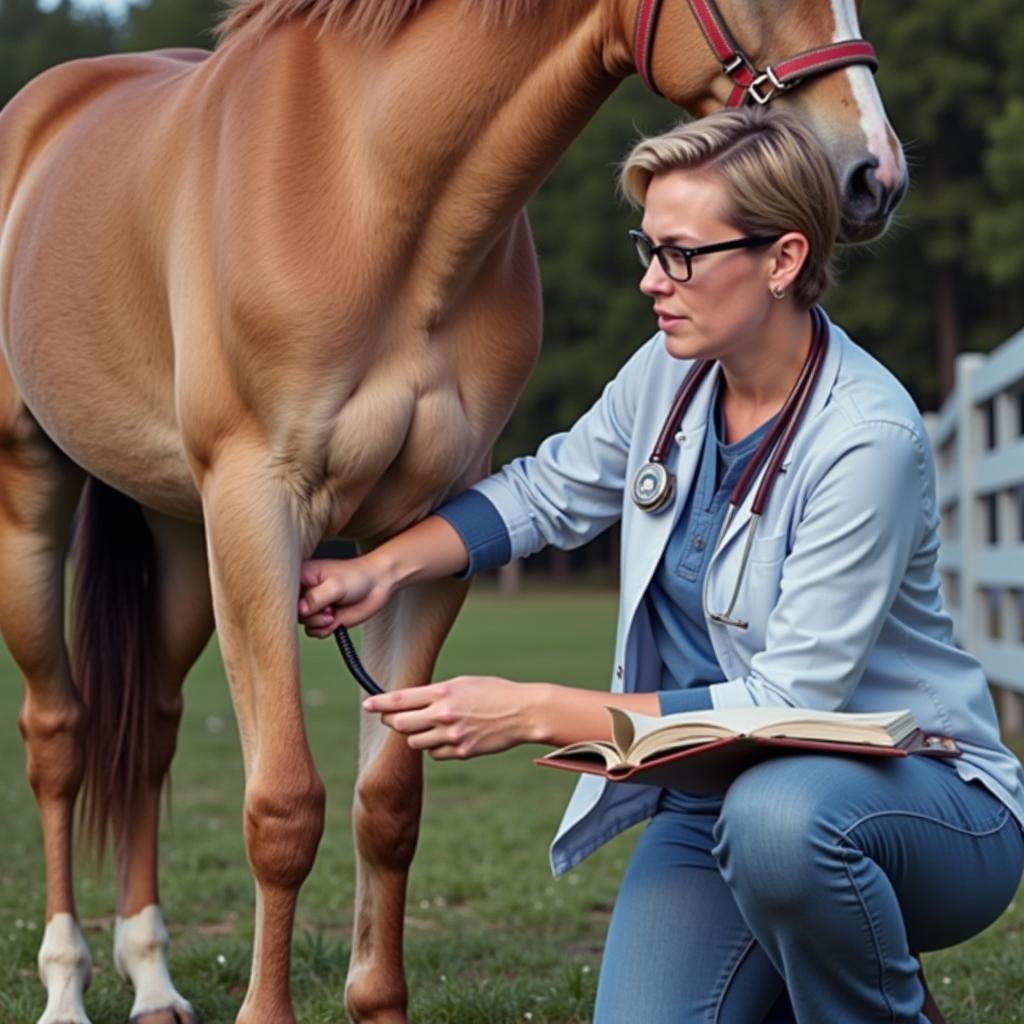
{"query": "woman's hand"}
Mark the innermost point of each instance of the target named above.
(462, 717)
(341, 592)
(345, 592)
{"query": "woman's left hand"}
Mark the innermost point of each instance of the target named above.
(461, 717)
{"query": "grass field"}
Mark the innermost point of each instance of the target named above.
(491, 938)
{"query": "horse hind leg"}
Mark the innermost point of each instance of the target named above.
(38, 492)
(400, 646)
(183, 624)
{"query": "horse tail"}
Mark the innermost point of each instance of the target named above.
(114, 608)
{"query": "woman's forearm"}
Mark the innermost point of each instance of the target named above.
(429, 550)
(560, 715)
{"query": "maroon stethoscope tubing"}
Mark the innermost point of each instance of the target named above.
(775, 443)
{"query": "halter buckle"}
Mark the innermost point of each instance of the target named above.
(764, 87)
(730, 67)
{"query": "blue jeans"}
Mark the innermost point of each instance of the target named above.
(804, 894)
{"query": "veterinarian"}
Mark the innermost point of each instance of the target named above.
(808, 581)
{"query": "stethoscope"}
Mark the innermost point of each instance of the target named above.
(654, 485)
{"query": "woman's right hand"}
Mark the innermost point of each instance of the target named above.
(340, 592)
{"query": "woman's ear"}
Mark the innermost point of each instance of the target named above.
(788, 256)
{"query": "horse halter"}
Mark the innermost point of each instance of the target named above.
(749, 83)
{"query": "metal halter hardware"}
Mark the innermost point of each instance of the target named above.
(749, 83)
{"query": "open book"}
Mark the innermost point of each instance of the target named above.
(702, 751)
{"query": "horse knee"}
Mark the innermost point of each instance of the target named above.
(386, 817)
(54, 747)
(283, 826)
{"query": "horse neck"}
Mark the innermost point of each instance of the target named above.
(449, 126)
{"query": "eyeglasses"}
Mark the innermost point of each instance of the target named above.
(677, 261)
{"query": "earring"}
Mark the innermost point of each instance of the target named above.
(777, 292)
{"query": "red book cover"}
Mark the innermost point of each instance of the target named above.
(709, 768)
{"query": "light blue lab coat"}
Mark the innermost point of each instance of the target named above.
(841, 592)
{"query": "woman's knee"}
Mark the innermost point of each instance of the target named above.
(773, 835)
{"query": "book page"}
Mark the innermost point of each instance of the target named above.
(597, 750)
(624, 730)
(651, 733)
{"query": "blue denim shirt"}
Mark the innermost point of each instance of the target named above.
(675, 597)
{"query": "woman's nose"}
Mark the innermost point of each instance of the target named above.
(655, 281)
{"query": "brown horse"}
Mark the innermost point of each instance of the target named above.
(286, 291)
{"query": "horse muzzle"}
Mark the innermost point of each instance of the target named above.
(868, 202)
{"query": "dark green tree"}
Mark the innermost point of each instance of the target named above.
(163, 23)
(32, 41)
(999, 225)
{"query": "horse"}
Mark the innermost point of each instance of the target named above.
(277, 292)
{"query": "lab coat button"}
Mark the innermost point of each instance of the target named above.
(618, 671)
(680, 437)
(698, 543)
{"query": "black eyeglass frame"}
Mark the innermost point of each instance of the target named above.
(647, 251)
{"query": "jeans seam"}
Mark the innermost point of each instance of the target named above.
(879, 958)
(1000, 823)
(751, 942)
(1002, 818)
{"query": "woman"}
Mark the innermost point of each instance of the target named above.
(815, 876)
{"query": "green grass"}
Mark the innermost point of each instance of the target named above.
(490, 937)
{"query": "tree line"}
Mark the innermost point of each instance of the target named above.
(946, 278)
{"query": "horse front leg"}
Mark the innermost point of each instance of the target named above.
(254, 539)
(184, 624)
(400, 647)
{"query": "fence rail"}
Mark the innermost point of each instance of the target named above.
(978, 438)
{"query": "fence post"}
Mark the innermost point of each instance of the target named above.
(980, 455)
(969, 523)
(1010, 529)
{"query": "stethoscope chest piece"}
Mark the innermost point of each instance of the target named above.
(652, 487)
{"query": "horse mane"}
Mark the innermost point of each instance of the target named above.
(372, 19)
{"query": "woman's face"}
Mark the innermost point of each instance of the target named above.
(727, 300)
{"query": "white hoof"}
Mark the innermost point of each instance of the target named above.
(140, 956)
(65, 968)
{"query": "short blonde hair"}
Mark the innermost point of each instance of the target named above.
(775, 172)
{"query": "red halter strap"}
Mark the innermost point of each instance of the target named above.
(749, 84)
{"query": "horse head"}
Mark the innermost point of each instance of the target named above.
(704, 54)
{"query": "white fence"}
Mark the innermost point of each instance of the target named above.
(979, 445)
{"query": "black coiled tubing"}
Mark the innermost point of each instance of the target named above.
(355, 666)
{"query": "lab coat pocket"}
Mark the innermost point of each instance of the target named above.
(758, 595)
(768, 550)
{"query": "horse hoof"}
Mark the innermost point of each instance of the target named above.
(166, 1015)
